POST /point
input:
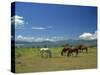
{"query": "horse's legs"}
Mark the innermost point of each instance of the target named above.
(80, 50)
(72, 54)
(76, 52)
(62, 53)
(50, 54)
(68, 54)
(47, 54)
(86, 50)
(42, 54)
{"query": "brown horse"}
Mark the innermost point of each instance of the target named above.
(69, 51)
(72, 50)
(64, 51)
(76, 50)
(82, 48)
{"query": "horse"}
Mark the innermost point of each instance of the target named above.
(69, 51)
(73, 50)
(64, 51)
(82, 48)
(45, 52)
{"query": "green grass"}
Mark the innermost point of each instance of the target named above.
(29, 60)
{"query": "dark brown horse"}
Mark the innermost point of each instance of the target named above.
(64, 51)
(69, 51)
(72, 50)
(82, 48)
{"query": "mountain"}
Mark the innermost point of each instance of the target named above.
(56, 43)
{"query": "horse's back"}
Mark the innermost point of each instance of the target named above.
(44, 49)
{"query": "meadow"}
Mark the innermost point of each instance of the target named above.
(29, 60)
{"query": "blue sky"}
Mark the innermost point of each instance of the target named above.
(49, 20)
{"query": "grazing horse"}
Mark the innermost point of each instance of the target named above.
(69, 51)
(82, 48)
(72, 50)
(45, 52)
(64, 51)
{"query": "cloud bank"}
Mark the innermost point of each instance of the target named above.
(38, 28)
(41, 28)
(88, 36)
(39, 39)
(17, 20)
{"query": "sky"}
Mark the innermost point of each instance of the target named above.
(34, 21)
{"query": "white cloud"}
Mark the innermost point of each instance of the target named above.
(41, 28)
(95, 35)
(88, 36)
(38, 28)
(17, 20)
(19, 37)
(22, 38)
(38, 39)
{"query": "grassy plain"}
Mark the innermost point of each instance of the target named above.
(29, 60)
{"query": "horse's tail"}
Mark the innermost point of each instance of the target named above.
(61, 53)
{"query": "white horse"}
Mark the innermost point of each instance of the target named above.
(46, 52)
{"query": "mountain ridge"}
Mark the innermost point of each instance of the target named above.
(55, 43)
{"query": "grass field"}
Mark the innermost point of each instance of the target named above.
(29, 60)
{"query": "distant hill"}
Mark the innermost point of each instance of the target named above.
(56, 43)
